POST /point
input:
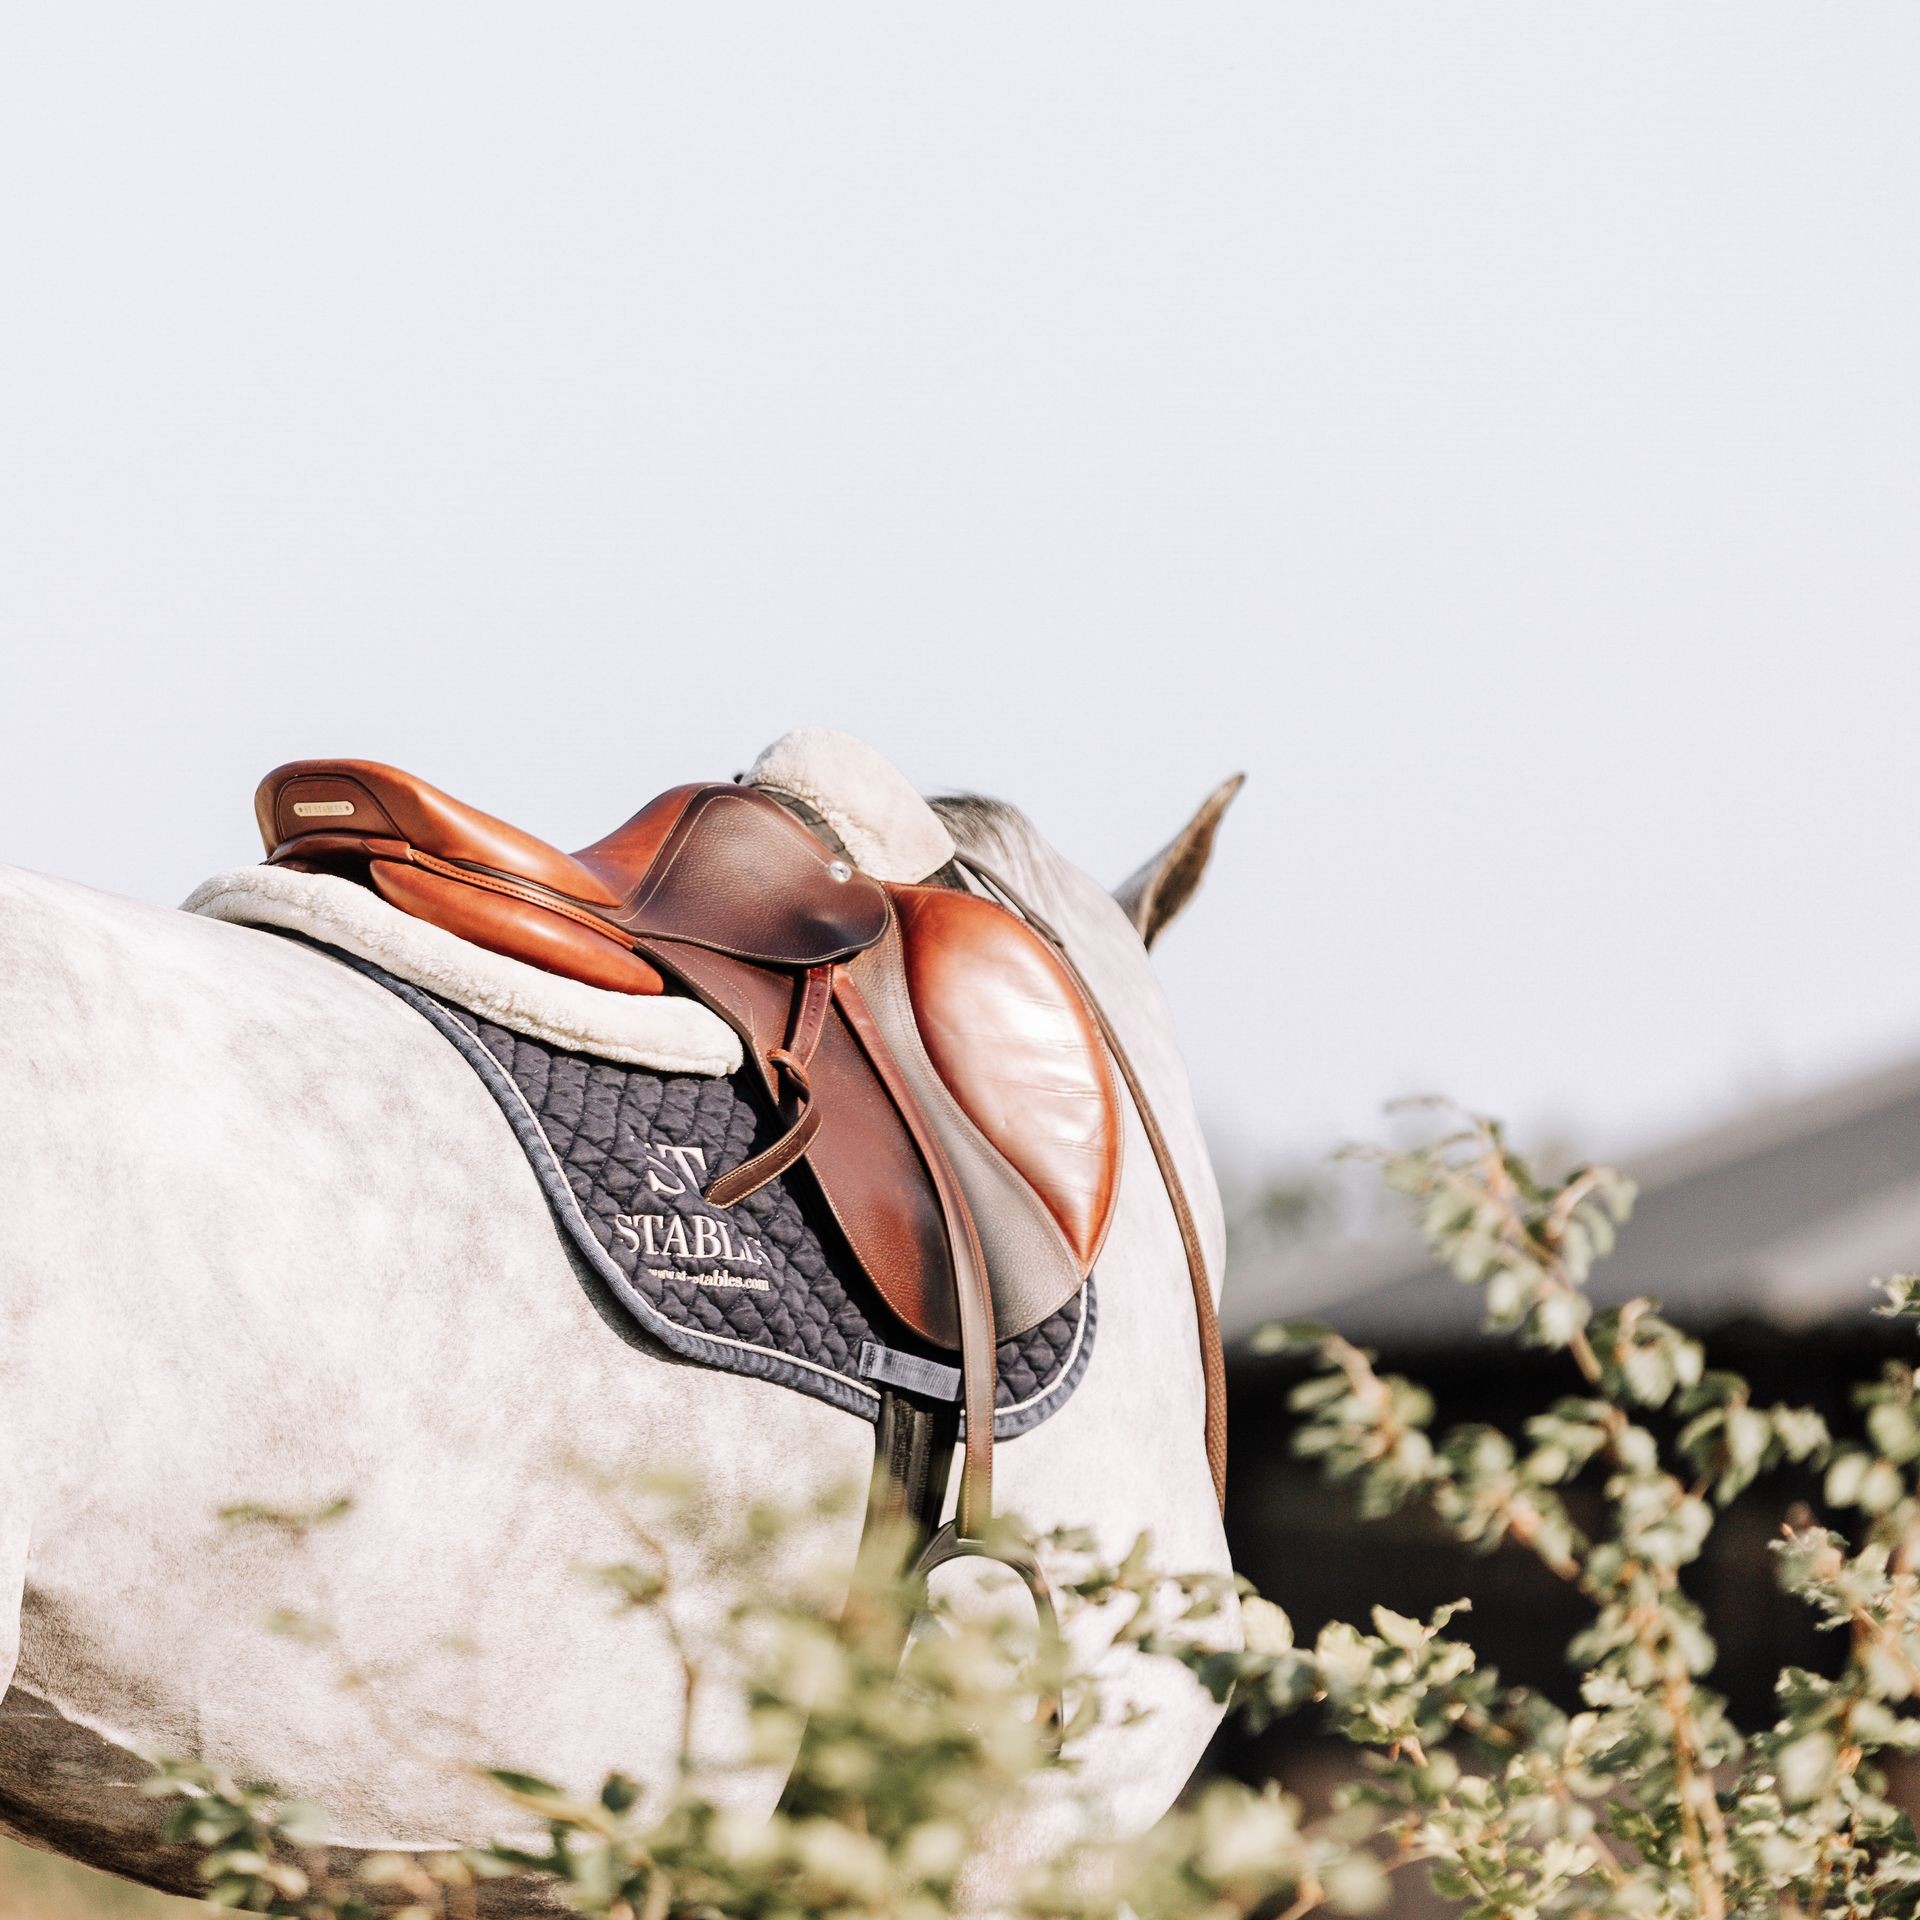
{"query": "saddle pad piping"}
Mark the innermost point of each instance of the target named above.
(892, 1367)
(937, 1381)
(1018, 1415)
(1021, 1416)
(715, 1349)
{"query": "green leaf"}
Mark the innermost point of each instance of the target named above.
(522, 1782)
(1397, 1630)
(618, 1794)
(1289, 1336)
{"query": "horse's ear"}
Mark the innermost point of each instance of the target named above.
(1167, 882)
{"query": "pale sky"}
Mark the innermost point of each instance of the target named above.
(1494, 428)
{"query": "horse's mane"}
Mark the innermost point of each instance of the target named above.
(1003, 838)
(984, 826)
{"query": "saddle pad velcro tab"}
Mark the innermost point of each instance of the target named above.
(765, 1287)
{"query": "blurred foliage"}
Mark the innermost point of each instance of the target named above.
(1283, 1210)
(1294, 1206)
(905, 1723)
(38, 1886)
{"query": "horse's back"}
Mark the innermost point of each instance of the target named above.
(268, 1241)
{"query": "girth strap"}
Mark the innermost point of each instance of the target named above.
(912, 1450)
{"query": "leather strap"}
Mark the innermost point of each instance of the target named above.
(881, 966)
(1212, 1360)
(792, 1060)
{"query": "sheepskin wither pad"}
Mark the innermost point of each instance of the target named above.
(766, 1287)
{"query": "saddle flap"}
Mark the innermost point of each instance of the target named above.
(863, 1158)
(1011, 1035)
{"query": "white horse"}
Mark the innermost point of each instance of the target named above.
(265, 1237)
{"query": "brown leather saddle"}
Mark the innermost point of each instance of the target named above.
(930, 1051)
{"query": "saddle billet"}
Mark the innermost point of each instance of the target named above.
(935, 1059)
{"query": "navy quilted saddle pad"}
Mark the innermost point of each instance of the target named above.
(766, 1287)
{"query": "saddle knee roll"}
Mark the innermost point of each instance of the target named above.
(517, 928)
(1012, 1038)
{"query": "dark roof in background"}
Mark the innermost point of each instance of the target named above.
(1783, 1215)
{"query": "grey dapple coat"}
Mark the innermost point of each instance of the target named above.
(264, 1238)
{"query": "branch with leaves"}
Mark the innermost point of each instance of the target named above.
(1647, 1803)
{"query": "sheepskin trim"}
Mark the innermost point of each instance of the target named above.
(885, 826)
(665, 1032)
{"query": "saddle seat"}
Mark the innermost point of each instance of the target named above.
(774, 901)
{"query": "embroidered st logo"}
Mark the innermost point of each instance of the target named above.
(696, 1244)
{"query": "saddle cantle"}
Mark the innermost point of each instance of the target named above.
(932, 1059)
